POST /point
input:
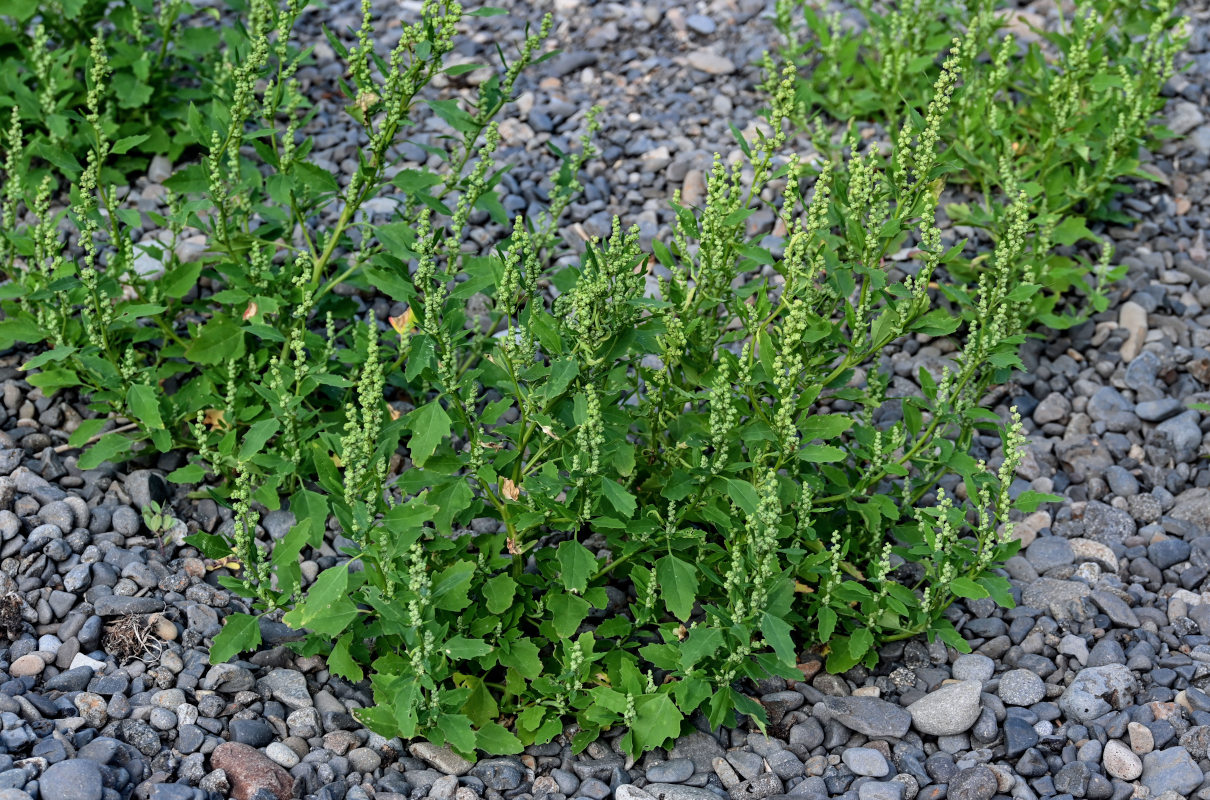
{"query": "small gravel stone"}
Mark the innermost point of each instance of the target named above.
(950, 710)
(974, 783)
(870, 716)
(281, 754)
(289, 686)
(676, 770)
(1020, 687)
(711, 63)
(74, 779)
(866, 761)
(973, 667)
(1120, 761)
(1171, 770)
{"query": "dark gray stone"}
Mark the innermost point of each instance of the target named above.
(974, 783)
(871, 716)
(74, 779)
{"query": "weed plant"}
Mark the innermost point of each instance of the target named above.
(1058, 114)
(618, 505)
(160, 59)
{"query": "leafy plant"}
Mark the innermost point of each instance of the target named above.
(160, 522)
(159, 61)
(617, 505)
(241, 354)
(1060, 117)
(634, 500)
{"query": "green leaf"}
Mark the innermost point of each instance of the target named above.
(457, 731)
(494, 739)
(52, 380)
(50, 356)
(702, 642)
(657, 720)
(240, 633)
(622, 500)
(567, 612)
(999, 589)
(826, 624)
(678, 585)
(824, 426)
(124, 144)
(965, 587)
(816, 453)
(522, 655)
(562, 372)
(429, 425)
(461, 647)
(499, 593)
(777, 633)
(576, 565)
(87, 429)
(217, 342)
(937, 323)
(1029, 500)
(944, 629)
(451, 586)
(21, 10)
(108, 447)
(841, 657)
(744, 495)
(327, 608)
(144, 405)
(341, 663)
(480, 705)
(256, 436)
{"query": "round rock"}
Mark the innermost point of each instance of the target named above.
(866, 761)
(1120, 761)
(74, 779)
(974, 667)
(1020, 687)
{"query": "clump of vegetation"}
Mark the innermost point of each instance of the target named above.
(1059, 115)
(618, 505)
(159, 61)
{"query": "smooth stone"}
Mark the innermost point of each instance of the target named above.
(870, 716)
(74, 779)
(1120, 761)
(950, 710)
(866, 761)
(1171, 770)
(1020, 687)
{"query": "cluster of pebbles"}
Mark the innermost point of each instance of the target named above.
(1094, 686)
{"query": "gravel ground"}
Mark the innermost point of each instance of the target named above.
(1094, 686)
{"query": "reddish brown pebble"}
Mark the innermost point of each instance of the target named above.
(810, 669)
(249, 770)
(1164, 711)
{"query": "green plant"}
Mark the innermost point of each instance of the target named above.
(157, 520)
(160, 522)
(1060, 117)
(670, 509)
(617, 505)
(241, 355)
(159, 61)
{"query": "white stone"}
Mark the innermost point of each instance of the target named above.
(1121, 762)
(282, 754)
(711, 63)
(81, 660)
(1132, 317)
